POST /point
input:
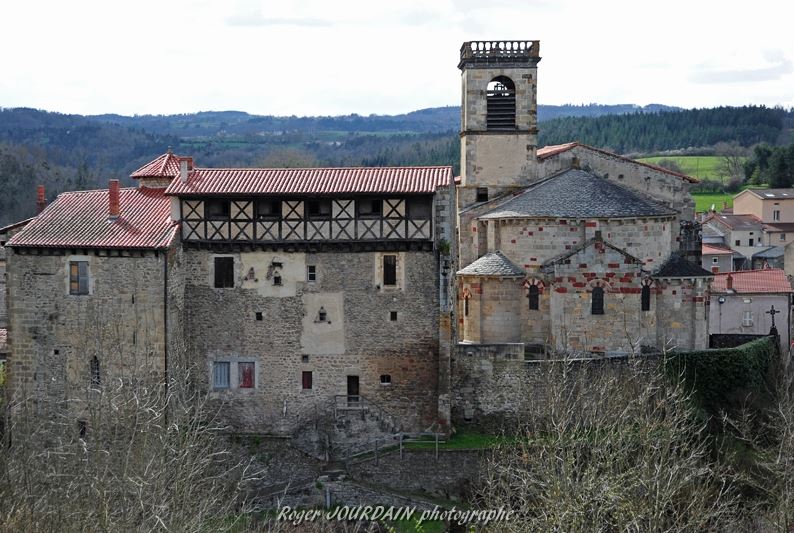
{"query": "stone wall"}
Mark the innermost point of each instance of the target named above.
(54, 335)
(681, 321)
(358, 338)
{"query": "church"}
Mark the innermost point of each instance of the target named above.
(311, 292)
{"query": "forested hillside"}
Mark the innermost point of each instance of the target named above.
(66, 152)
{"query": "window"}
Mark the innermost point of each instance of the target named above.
(385, 379)
(96, 377)
(419, 208)
(782, 236)
(245, 375)
(304, 358)
(482, 194)
(220, 375)
(78, 277)
(322, 315)
(747, 319)
(465, 307)
(389, 270)
(217, 209)
(776, 214)
(750, 242)
(715, 259)
(306, 379)
(224, 272)
(318, 209)
(737, 242)
(268, 209)
(369, 208)
(645, 298)
(500, 98)
(259, 315)
(311, 273)
(393, 316)
(534, 297)
(277, 279)
(597, 302)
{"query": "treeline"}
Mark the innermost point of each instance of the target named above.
(773, 165)
(652, 132)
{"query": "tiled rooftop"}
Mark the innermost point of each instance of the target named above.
(771, 280)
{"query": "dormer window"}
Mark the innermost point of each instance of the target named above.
(369, 207)
(217, 209)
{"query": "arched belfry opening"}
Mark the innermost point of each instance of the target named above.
(501, 104)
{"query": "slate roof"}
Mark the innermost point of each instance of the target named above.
(770, 253)
(770, 280)
(80, 220)
(321, 181)
(550, 151)
(678, 267)
(736, 222)
(576, 193)
(773, 194)
(493, 264)
(785, 227)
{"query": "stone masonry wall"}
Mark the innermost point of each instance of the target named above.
(359, 338)
(54, 335)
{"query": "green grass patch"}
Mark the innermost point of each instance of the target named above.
(699, 166)
(704, 201)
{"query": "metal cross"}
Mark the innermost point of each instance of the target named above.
(773, 312)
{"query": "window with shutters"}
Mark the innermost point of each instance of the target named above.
(245, 375)
(78, 277)
(389, 270)
(597, 302)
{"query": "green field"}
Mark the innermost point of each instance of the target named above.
(704, 201)
(698, 166)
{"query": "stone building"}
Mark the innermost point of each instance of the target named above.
(300, 293)
(565, 248)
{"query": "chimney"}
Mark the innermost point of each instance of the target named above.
(41, 200)
(113, 200)
(729, 282)
(183, 170)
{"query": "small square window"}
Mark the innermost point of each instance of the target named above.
(311, 273)
(268, 209)
(714, 259)
(78, 277)
(318, 209)
(277, 279)
(220, 375)
(369, 207)
(259, 315)
(482, 194)
(245, 375)
(217, 209)
(737, 242)
(419, 208)
(306, 379)
(393, 316)
(224, 272)
(385, 379)
(304, 358)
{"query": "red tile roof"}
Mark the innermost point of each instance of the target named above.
(706, 249)
(80, 220)
(549, 151)
(378, 180)
(165, 166)
(771, 280)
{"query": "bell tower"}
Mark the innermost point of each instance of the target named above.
(499, 133)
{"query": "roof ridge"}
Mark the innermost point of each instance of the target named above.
(324, 168)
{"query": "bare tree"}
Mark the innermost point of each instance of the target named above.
(610, 449)
(731, 163)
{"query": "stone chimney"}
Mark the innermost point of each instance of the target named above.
(41, 199)
(185, 165)
(114, 207)
(729, 282)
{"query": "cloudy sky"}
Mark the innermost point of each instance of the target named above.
(327, 57)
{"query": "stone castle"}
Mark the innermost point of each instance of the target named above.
(300, 291)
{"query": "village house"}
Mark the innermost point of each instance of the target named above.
(716, 258)
(303, 291)
(742, 304)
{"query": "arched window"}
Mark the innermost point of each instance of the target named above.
(96, 377)
(465, 307)
(534, 297)
(597, 303)
(645, 298)
(501, 104)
